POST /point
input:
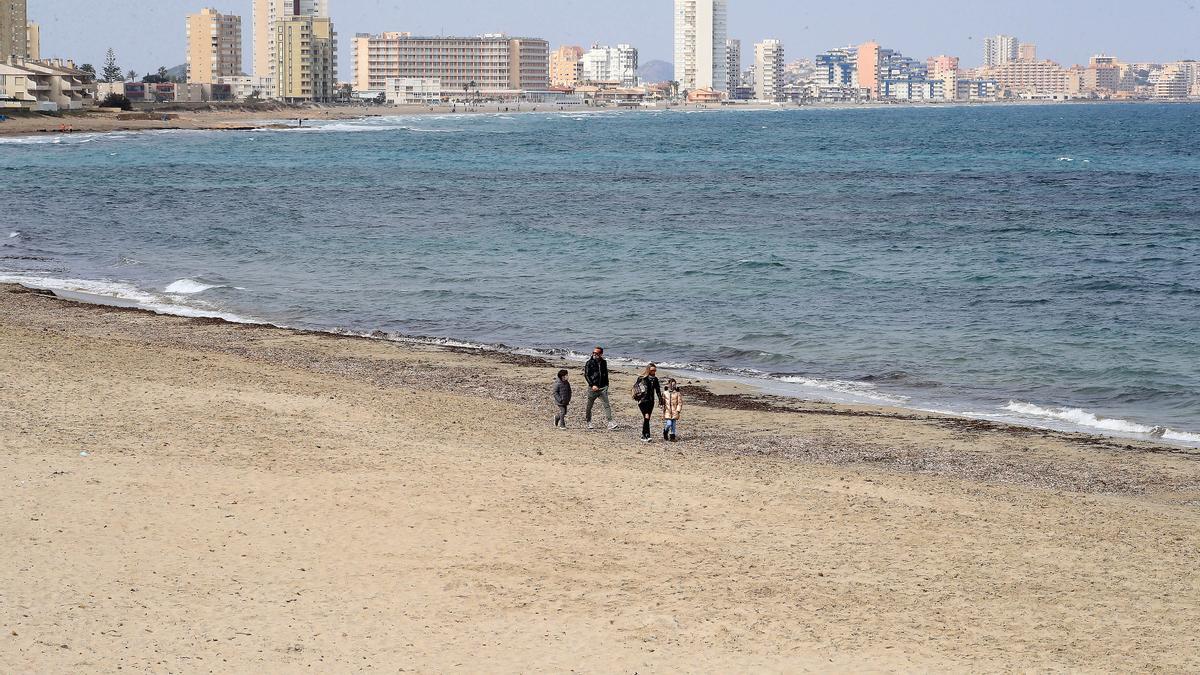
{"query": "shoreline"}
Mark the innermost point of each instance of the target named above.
(711, 389)
(762, 385)
(192, 494)
(94, 121)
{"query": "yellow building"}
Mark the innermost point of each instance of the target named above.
(214, 46)
(264, 15)
(305, 59)
(566, 66)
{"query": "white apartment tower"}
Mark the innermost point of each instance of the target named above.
(733, 65)
(768, 62)
(264, 15)
(611, 64)
(1000, 49)
(700, 32)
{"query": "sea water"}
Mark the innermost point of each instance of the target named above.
(1038, 264)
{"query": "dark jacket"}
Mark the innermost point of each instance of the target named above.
(562, 392)
(652, 388)
(595, 371)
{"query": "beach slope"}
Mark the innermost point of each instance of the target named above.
(189, 495)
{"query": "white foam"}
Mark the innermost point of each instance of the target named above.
(189, 287)
(120, 293)
(854, 389)
(1083, 418)
(13, 235)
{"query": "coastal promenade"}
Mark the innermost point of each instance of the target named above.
(191, 495)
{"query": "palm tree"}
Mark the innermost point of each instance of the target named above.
(472, 85)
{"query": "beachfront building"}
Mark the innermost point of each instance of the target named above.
(566, 67)
(1027, 51)
(944, 69)
(263, 17)
(733, 66)
(768, 65)
(305, 59)
(1000, 49)
(1030, 79)
(33, 41)
(47, 86)
(214, 46)
(14, 28)
(495, 65)
(413, 91)
(700, 34)
(618, 65)
(242, 87)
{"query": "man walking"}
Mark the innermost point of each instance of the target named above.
(595, 372)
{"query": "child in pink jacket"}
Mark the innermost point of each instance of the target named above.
(672, 407)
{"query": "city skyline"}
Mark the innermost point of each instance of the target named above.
(1154, 32)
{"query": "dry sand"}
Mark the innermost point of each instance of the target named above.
(257, 499)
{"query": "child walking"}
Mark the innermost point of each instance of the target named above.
(562, 398)
(672, 407)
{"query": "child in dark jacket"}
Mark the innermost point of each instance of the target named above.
(562, 398)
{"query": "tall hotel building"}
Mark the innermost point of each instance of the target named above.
(305, 59)
(494, 64)
(214, 46)
(768, 66)
(700, 33)
(14, 30)
(611, 64)
(265, 14)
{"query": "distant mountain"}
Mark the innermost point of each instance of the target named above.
(178, 72)
(653, 72)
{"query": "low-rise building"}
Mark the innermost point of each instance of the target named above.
(413, 91)
(51, 85)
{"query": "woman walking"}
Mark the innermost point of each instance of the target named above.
(644, 391)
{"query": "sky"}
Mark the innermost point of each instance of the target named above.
(150, 33)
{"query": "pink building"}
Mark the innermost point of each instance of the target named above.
(868, 68)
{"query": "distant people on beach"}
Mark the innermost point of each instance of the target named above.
(644, 392)
(562, 398)
(595, 372)
(672, 407)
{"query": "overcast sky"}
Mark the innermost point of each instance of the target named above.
(150, 33)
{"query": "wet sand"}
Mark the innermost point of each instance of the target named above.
(255, 498)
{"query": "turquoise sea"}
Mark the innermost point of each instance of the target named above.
(1037, 264)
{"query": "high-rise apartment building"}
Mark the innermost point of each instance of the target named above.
(944, 69)
(14, 27)
(305, 59)
(610, 64)
(1000, 49)
(494, 64)
(1027, 51)
(867, 68)
(1030, 78)
(733, 65)
(264, 15)
(214, 46)
(566, 66)
(33, 41)
(768, 62)
(700, 33)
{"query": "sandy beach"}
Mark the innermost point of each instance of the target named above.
(235, 118)
(190, 495)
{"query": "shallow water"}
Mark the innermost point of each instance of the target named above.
(1027, 263)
